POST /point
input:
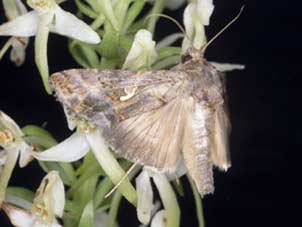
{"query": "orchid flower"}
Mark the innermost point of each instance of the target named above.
(196, 15)
(142, 53)
(47, 16)
(48, 204)
(171, 215)
(77, 146)
(13, 144)
(13, 9)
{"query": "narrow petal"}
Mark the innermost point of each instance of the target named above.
(68, 25)
(25, 154)
(23, 26)
(13, 8)
(159, 219)
(169, 200)
(144, 197)
(225, 67)
(6, 172)
(111, 166)
(72, 149)
(18, 217)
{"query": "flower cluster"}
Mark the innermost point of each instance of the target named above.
(97, 183)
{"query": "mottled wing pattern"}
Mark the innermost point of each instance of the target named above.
(153, 138)
(97, 95)
(147, 127)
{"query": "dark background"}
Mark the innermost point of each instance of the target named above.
(255, 190)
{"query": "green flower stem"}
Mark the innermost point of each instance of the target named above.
(41, 48)
(10, 163)
(98, 22)
(169, 200)
(111, 166)
(103, 188)
(5, 47)
(121, 10)
(157, 8)
(85, 9)
(132, 13)
(114, 209)
(107, 10)
(198, 203)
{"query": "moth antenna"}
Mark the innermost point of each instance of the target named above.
(223, 29)
(181, 28)
(121, 180)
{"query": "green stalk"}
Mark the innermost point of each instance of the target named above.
(114, 209)
(158, 7)
(41, 48)
(169, 200)
(198, 204)
(5, 47)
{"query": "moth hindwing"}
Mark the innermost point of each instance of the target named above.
(156, 118)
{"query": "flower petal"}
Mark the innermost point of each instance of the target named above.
(13, 8)
(18, 217)
(159, 219)
(205, 9)
(72, 149)
(225, 67)
(142, 52)
(144, 197)
(6, 172)
(8, 123)
(68, 25)
(23, 26)
(17, 54)
(25, 154)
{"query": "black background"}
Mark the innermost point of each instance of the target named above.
(254, 191)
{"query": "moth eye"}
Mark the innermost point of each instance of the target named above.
(185, 58)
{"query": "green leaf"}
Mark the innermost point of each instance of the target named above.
(87, 218)
(86, 191)
(133, 13)
(198, 203)
(20, 192)
(86, 9)
(103, 188)
(33, 130)
(109, 45)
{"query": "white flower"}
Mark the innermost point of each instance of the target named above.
(13, 9)
(196, 15)
(145, 199)
(47, 16)
(13, 144)
(226, 67)
(48, 204)
(142, 53)
(77, 146)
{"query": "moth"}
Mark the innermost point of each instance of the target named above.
(157, 118)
